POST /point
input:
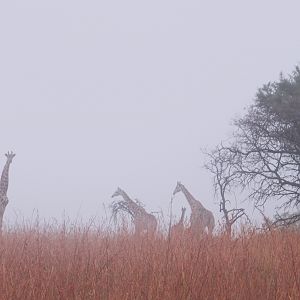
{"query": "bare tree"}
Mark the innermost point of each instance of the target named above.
(263, 155)
(225, 178)
(288, 219)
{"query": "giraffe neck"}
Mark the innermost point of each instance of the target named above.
(136, 210)
(191, 200)
(4, 179)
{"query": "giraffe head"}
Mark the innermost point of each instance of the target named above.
(178, 188)
(10, 156)
(118, 192)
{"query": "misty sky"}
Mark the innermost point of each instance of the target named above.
(100, 94)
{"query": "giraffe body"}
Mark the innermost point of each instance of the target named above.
(143, 221)
(201, 218)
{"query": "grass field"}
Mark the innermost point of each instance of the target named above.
(84, 263)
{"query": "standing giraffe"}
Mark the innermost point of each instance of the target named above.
(178, 228)
(142, 220)
(4, 185)
(200, 216)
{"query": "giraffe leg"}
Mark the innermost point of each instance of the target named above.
(211, 224)
(2, 208)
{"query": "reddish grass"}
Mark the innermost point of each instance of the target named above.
(87, 264)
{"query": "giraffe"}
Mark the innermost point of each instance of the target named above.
(200, 216)
(4, 185)
(142, 220)
(178, 228)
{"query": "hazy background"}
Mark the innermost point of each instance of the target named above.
(100, 94)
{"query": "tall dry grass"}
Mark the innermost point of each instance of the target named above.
(85, 263)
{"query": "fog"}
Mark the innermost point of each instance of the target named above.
(100, 94)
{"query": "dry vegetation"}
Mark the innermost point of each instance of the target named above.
(85, 263)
